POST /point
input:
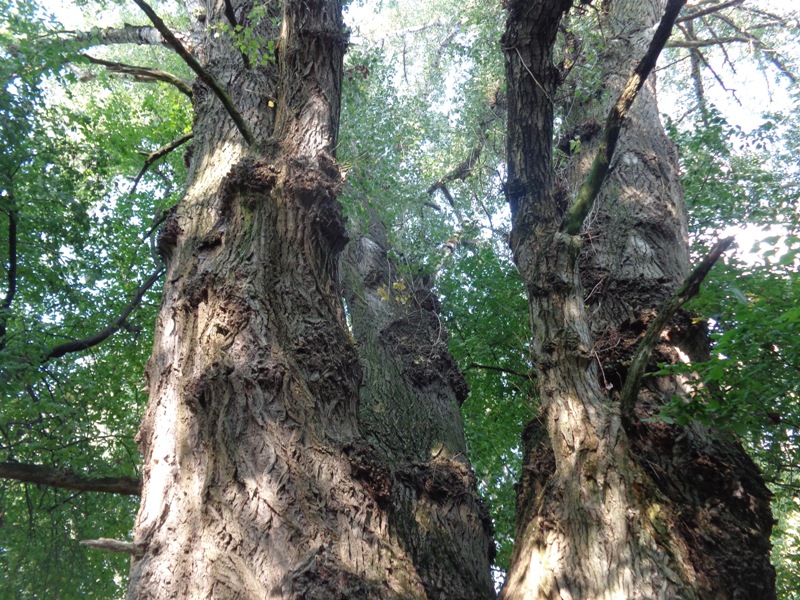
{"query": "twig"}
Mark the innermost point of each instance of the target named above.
(195, 66)
(641, 357)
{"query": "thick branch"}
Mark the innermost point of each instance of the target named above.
(143, 73)
(573, 221)
(103, 334)
(68, 479)
(686, 292)
(195, 66)
(160, 153)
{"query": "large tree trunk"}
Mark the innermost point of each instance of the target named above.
(257, 482)
(410, 412)
(613, 508)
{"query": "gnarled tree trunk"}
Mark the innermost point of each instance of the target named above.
(257, 481)
(611, 507)
(410, 413)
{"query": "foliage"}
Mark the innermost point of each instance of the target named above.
(82, 251)
(747, 182)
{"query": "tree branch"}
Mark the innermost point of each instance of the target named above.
(770, 53)
(143, 73)
(709, 10)
(11, 279)
(128, 34)
(114, 546)
(69, 480)
(686, 292)
(573, 220)
(103, 334)
(464, 168)
(12, 258)
(528, 376)
(705, 43)
(161, 152)
(195, 66)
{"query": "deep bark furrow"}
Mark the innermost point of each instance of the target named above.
(600, 515)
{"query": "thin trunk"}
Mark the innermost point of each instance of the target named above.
(605, 510)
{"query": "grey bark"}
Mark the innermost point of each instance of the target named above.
(258, 482)
(410, 413)
(609, 509)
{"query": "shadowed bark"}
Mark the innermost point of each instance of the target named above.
(606, 510)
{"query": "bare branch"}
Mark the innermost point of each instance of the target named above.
(697, 75)
(11, 288)
(143, 73)
(495, 111)
(716, 75)
(11, 274)
(195, 66)
(528, 376)
(770, 53)
(69, 480)
(709, 10)
(686, 292)
(160, 153)
(114, 546)
(573, 220)
(128, 34)
(705, 43)
(103, 334)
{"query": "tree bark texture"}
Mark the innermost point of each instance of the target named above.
(257, 481)
(410, 413)
(608, 508)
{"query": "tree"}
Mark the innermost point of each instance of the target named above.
(289, 454)
(613, 502)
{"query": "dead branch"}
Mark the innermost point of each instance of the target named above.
(114, 546)
(145, 74)
(708, 11)
(106, 332)
(705, 43)
(160, 153)
(128, 34)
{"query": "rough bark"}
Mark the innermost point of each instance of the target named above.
(257, 481)
(410, 413)
(651, 511)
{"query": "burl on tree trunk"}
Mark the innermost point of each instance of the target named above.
(257, 481)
